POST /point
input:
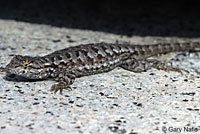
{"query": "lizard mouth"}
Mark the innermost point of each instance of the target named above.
(20, 78)
(12, 74)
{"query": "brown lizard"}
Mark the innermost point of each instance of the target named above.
(67, 64)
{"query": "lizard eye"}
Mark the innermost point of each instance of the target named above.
(25, 63)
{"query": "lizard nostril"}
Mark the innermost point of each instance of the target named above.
(2, 69)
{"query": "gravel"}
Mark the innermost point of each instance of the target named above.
(115, 102)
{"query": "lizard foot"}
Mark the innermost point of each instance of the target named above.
(60, 87)
(165, 67)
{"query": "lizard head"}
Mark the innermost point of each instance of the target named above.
(25, 66)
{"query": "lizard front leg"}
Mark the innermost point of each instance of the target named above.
(64, 79)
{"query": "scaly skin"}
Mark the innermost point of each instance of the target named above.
(67, 64)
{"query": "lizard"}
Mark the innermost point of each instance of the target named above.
(64, 66)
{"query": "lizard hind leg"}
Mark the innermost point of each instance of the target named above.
(136, 66)
(143, 65)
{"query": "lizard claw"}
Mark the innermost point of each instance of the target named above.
(179, 70)
(60, 87)
(56, 88)
(175, 69)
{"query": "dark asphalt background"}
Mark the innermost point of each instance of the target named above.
(142, 18)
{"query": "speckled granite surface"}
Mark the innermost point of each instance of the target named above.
(119, 102)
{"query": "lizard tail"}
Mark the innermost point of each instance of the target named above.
(173, 47)
(163, 48)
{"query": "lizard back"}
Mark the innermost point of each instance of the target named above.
(103, 57)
